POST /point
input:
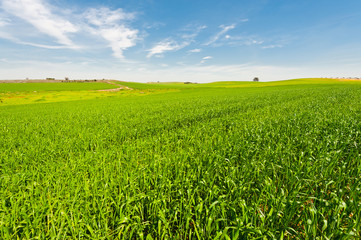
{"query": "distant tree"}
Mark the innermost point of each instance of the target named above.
(256, 79)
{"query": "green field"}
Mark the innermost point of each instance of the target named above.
(226, 160)
(50, 86)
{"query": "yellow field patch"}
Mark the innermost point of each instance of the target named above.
(19, 98)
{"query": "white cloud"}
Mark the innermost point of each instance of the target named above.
(256, 42)
(166, 45)
(192, 31)
(196, 50)
(109, 24)
(186, 37)
(103, 22)
(106, 17)
(212, 73)
(241, 72)
(38, 14)
(204, 59)
(239, 41)
(272, 46)
(4, 22)
(119, 38)
(7, 36)
(224, 30)
(150, 73)
(154, 25)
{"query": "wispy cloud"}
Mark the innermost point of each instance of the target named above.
(272, 46)
(105, 16)
(191, 31)
(196, 50)
(206, 58)
(7, 36)
(241, 40)
(241, 72)
(110, 25)
(211, 73)
(4, 21)
(164, 46)
(40, 15)
(103, 22)
(221, 33)
(185, 37)
(154, 25)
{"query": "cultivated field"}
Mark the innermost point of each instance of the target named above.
(226, 160)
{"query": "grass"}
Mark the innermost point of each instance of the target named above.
(198, 162)
(29, 93)
(144, 86)
(61, 86)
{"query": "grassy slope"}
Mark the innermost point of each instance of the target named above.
(237, 84)
(62, 86)
(203, 162)
(29, 93)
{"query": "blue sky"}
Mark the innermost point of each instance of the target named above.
(180, 40)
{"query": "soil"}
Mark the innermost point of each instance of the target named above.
(120, 87)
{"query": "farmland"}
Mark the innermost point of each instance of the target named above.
(225, 160)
